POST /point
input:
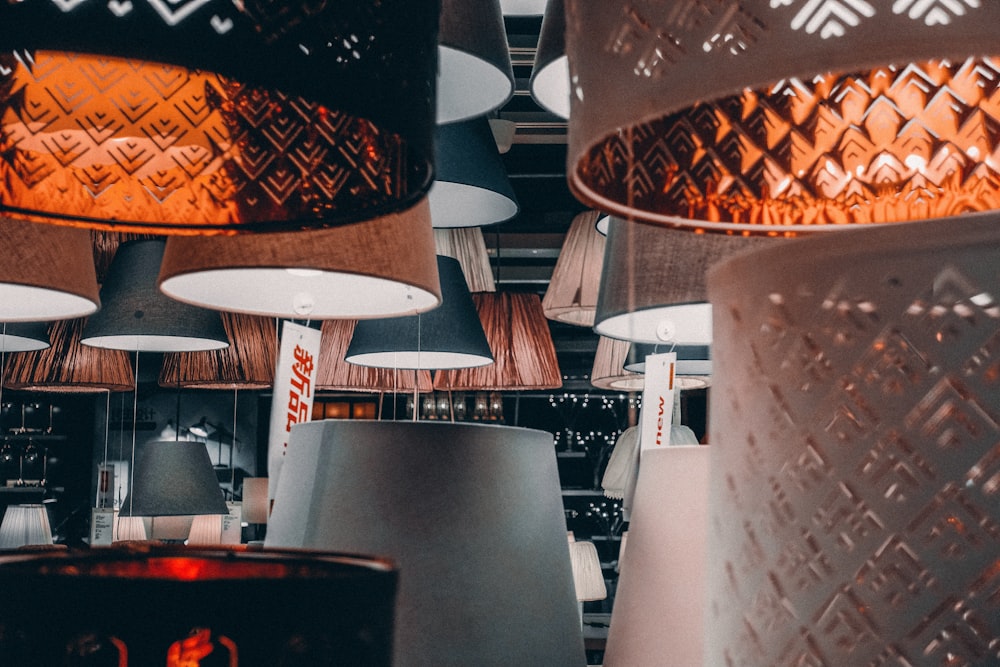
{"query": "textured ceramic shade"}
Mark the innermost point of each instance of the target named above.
(333, 373)
(25, 525)
(23, 336)
(427, 492)
(247, 363)
(466, 244)
(47, 273)
(724, 129)
(379, 268)
(571, 295)
(549, 83)
(471, 188)
(115, 122)
(174, 477)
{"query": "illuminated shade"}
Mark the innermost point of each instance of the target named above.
(521, 342)
(25, 525)
(379, 268)
(169, 527)
(471, 188)
(466, 244)
(174, 477)
(136, 316)
(549, 83)
(854, 423)
(451, 336)
(47, 273)
(691, 359)
(475, 75)
(247, 363)
(724, 129)
(571, 295)
(161, 605)
(653, 283)
(255, 502)
(427, 491)
(23, 336)
(587, 575)
(657, 617)
(522, 7)
(112, 120)
(335, 374)
(68, 366)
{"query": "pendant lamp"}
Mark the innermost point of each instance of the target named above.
(618, 368)
(247, 363)
(174, 477)
(333, 373)
(608, 371)
(381, 268)
(786, 117)
(522, 7)
(135, 316)
(466, 244)
(47, 273)
(691, 359)
(114, 121)
(549, 83)
(451, 336)
(25, 525)
(23, 336)
(571, 295)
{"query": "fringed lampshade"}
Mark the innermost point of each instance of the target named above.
(69, 366)
(248, 362)
(523, 351)
(174, 477)
(25, 525)
(379, 268)
(115, 122)
(549, 82)
(335, 374)
(782, 117)
(571, 296)
(466, 244)
(23, 336)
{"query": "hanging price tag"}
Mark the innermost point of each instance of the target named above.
(102, 525)
(658, 401)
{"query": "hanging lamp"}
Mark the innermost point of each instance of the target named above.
(246, 363)
(335, 374)
(691, 359)
(23, 336)
(571, 295)
(549, 83)
(467, 245)
(114, 121)
(522, 7)
(173, 478)
(617, 366)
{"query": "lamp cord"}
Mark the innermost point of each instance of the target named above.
(135, 412)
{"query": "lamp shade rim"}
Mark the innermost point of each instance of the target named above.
(690, 323)
(476, 86)
(420, 360)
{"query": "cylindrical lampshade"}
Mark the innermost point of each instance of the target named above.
(240, 134)
(428, 492)
(47, 272)
(377, 268)
(653, 283)
(523, 351)
(68, 366)
(724, 129)
(335, 374)
(471, 188)
(475, 75)
(549, 83)
(25, 525)
(571, 295)
(255, 503)
(854, 421)
(587, 575)
(657, 618)
(174, 477)
(23, 336)
(451, 336)
(206, 529)
(136, 316)
(247, 363)
(466, 244)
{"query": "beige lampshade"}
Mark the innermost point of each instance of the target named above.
(466, 244)
(609, 372)
(206, 529)
(25, 525)
(519, 337)
(256, 505)
(248, 362)
(129, 529)
(377, 268)
(587, 575)
(783, 117)
(571, 295)
(335, 374)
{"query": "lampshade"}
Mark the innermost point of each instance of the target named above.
(115, 122)
(68, 366)
(47, 273)
(471, 188)
(23, 336)
(724, 129)
(571, 295)
(25, 525)
(174, 477)
(653, 283)
(379, 268)
(472, 515)
(475, 75)
(549, 83)
(691, 359)
(521, 342)
(466, 244)
(247, 363)
(129, 529)
(522, 7)
(451, 336)
(854, 424)
(608, 371)
(255, 503)
(587, 576)
(335, 374)
(136, 316)
(206, 529)
(175, 528)
(657, 617)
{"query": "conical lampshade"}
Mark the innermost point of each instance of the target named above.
(571, 296)
(620, 365)
(691, 359)
(247, 363)
(335, 374)
(549, 83)
(23, 336)
(608, 371)
(174, 477)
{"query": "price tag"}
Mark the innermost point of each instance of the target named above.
(102, 525)
(232, 524)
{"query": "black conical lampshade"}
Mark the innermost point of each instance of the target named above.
(172, 478)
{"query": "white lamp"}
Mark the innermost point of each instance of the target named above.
(25, 525)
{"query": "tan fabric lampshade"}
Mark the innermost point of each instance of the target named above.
(608, 371)
(335, 374)
(248, 362)
(466, 244)
(571, 295)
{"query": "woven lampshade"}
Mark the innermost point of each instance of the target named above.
(379, 268)
(466, 244)
(25, 525)
(571, 295)
(881, 114)
(68, 366)
(549, 83)
(174, 477)
(587, 575)
(653, 283)
(23, 336)
(471, 188)
(335, 374)
(238, 134)
(47, 273)
(475, 73)
(523, 351)
(247, 363)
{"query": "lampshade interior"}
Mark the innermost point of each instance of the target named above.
(550, 86)
(463, 205)
(23, 336)
(683, 324)
(475, 86)
(27, 302)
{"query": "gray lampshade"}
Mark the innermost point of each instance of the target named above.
(691, 359)
(450, 336)
(136, 316)
(471, 188)
(23, 336)
(471, 514)
(174, 477)
(549, 82)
